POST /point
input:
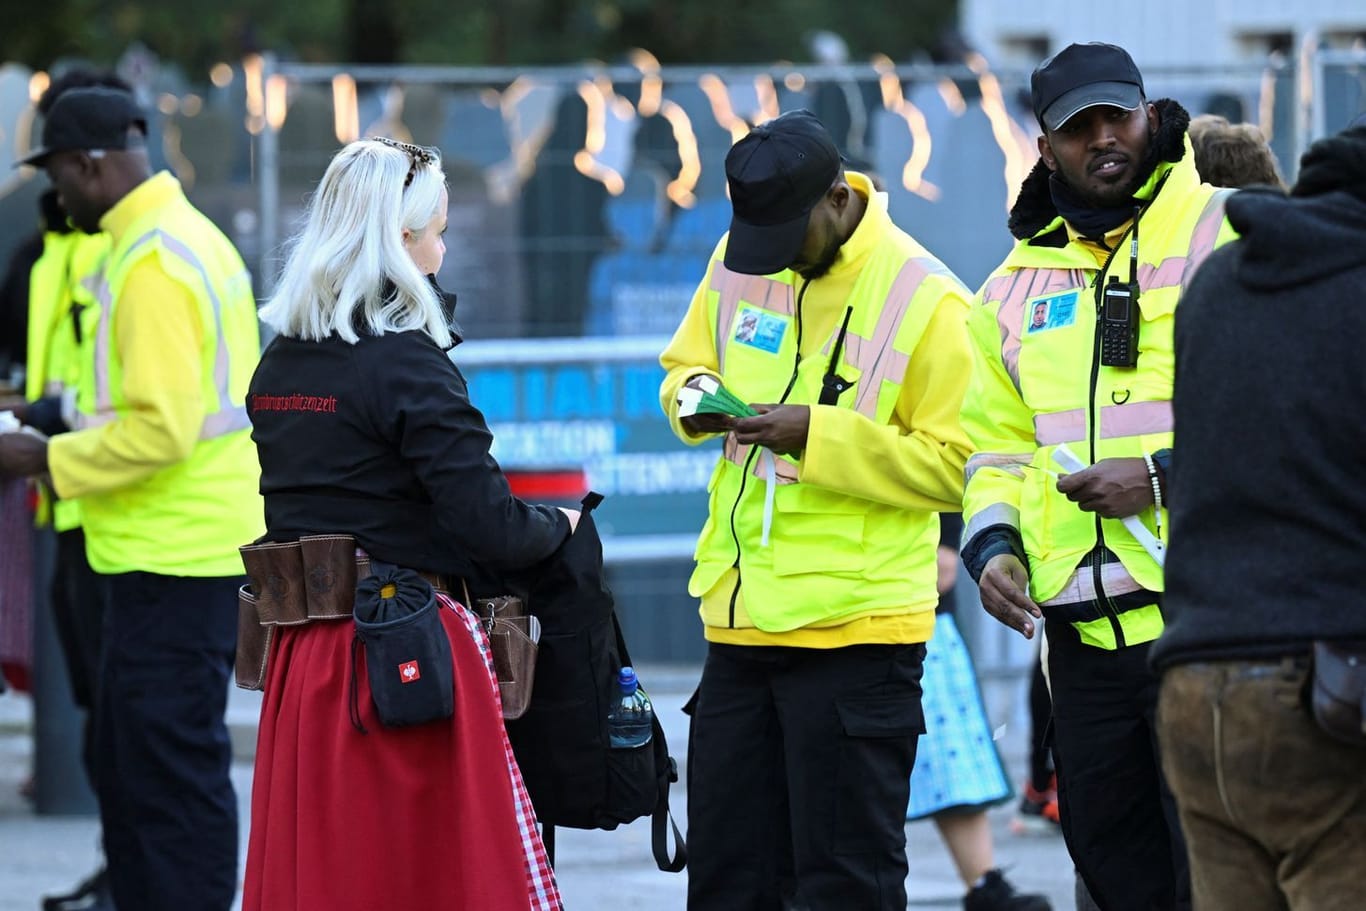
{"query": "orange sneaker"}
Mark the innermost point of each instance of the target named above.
(1038, 811)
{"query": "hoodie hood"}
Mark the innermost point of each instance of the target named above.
(1034, 209)
(1317, 231)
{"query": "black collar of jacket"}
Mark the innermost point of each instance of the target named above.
(1034, 210)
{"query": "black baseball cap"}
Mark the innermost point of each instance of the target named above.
(86, 119)
(777, 175)
(1081, 76)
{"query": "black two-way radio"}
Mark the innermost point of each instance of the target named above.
(832, 384)
(1119, 314)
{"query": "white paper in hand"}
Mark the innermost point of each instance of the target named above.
(1067, 459)
(688, 400)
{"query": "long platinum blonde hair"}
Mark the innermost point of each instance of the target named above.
(334, 278)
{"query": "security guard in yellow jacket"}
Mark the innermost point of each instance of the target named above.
(62, 313)
(1070, 419)
(816, 568)
(163, 465)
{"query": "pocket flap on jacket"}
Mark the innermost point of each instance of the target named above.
(880, 716)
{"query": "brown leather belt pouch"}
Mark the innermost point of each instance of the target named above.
(514, 651)
(291, 583)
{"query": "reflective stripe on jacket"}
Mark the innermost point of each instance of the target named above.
(187, 518)
(830, 556)
(62, 312)
(1038, 384)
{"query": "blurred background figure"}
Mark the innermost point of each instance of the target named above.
(564, 226)
(59, 279)
(1232, 154)
(958, 773)
(163, 465)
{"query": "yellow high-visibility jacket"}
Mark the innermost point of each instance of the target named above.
(1038, 383)
(163, 460)
(62, 312)
(850, 554)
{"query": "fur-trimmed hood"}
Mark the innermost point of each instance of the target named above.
(1034, 209)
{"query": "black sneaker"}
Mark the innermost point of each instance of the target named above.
(995, 893)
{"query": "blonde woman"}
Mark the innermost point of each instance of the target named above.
(364, 427)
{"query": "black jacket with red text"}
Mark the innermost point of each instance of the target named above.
(380, 440)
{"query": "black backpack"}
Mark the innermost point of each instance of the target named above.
(574, 777)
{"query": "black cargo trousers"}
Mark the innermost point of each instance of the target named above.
(799, 767)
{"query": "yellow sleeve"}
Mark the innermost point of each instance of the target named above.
(691, 352)
(916, 461)
(158, 335)
(1001, 428)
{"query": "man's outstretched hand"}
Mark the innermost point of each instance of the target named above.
(1004, 588)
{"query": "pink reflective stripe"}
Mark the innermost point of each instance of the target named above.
(103, 396)
(220, 423)
(1054, 427)
(176, 248)
(1206, 233)
(784, 471)
(86, 421)
(1135, 418)
(732, 451)
(1025, 284)
(877, 358)
(1010, 318)
(226, 418)
(1164, 274)
(1176, 270)
(1010, 463)
(758, 290)
(1129, 420)
(224, 421)
(997, 289)
(1115, 580)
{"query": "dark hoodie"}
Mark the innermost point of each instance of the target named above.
(1269, 482)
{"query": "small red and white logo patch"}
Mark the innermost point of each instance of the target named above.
(408, 672)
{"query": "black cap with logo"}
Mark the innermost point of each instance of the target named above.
(87, 119)
(1082, 76)
(777, 175)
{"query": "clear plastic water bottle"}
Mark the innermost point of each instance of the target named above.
(631, 721)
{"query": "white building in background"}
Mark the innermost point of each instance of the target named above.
(1163, 34)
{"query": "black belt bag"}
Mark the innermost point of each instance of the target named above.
(407, 651)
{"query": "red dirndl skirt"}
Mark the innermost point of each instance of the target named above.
(433, 817)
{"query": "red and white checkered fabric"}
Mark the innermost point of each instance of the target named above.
(542, 893)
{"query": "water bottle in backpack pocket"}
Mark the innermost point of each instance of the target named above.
(631, 720)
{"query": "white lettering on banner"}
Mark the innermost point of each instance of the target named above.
(560, 444)
(643, 473)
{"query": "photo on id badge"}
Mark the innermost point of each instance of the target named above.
(1052, 312)
(761, 330)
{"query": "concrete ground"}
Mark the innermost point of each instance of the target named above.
(596, 870)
